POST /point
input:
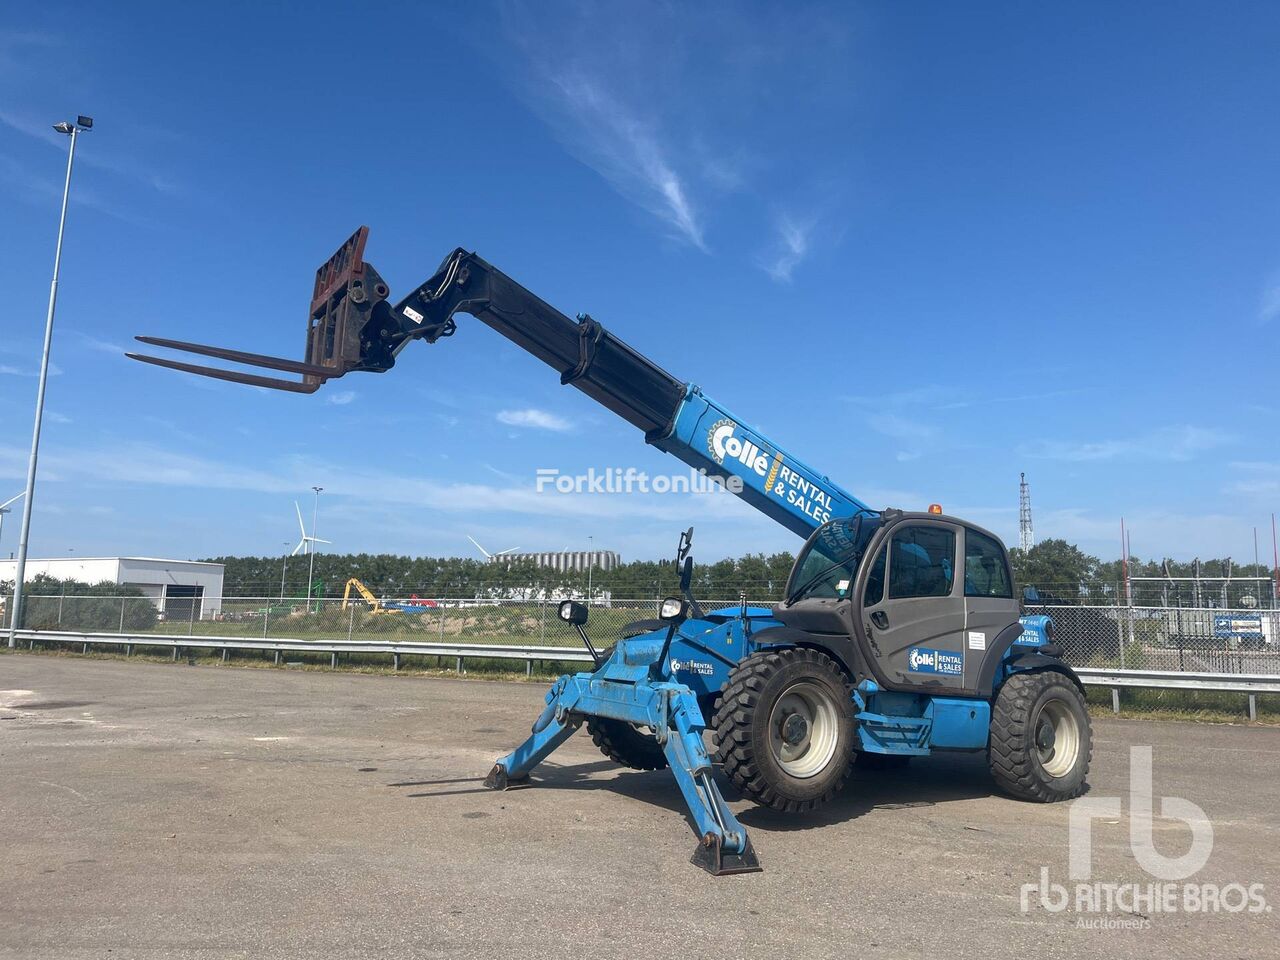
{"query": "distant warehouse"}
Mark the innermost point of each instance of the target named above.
(180, 589)
(571, 561)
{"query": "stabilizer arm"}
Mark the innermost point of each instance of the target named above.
(671, 711)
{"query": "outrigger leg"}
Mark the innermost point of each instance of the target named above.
(671, 711)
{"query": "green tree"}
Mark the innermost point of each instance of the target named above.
(1054, 567)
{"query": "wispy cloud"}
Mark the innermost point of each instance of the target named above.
(900, 427)
(341, 398)
(1179, 443)
(149, 465)
(791, 246)
(537, 419)
(8, 369)
(1255, 479)
(1269, 307)
(101, 346)
(98, 157)
(627, 151)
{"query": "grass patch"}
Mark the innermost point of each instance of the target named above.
(1193, 705)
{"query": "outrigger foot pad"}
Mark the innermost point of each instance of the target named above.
(498, 779)
(711, 857)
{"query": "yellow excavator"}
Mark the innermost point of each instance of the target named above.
(374, 603)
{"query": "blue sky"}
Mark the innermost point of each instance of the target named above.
(922, 246)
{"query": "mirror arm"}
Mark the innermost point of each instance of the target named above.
(586, 640)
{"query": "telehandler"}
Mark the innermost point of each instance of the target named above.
(899, 634)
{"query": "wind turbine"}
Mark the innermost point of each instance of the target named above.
(4, 508)
(305, 544)
(490, 557)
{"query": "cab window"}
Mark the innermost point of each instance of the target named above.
(875, 581)
(985, 572)
(922, 562)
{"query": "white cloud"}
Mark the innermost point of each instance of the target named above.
(537, 419)
(1269, 308)
(144, 464)
(627, 151)
(342, 397)
(791, 247)
(1167, 444)
(900, 427)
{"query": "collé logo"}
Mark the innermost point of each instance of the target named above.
(925, 660)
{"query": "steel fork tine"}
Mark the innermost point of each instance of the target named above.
(253, 380)
(240, 356)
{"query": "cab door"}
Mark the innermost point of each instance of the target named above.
(913, 607)
(988, 591)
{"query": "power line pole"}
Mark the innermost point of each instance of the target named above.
(1026, 537)
(15, 618)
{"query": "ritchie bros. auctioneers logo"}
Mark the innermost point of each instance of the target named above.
(1130, 905)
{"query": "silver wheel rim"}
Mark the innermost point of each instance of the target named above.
(804, 730)
(1057, 737)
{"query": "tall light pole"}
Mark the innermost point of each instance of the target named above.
(15, 619)
(311, 567)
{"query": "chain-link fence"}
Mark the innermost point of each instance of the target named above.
(526, 622)
(1256, 593)
(1193, 640)
(1205, 639)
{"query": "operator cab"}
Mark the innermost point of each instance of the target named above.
(918, 602)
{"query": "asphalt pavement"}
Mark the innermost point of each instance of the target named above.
(157, 810)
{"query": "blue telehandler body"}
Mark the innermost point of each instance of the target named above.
(899, 633)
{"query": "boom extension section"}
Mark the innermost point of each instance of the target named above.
(352, 326)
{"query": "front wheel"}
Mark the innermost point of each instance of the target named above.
(1041, 740)
(784, 729)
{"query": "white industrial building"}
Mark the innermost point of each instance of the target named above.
(569, 561)
(174, 586)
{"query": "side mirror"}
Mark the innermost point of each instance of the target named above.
(572, 612)
(673, 610)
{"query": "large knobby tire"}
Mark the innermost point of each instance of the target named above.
(784, 729)
(1041, 740)
(622, 743)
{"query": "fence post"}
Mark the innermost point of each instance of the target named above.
(123, 601)
(351, 620)
(442, 623)
(266, 618)
(1253, 708)
(61, 598)
(542, 636)
(1115, 699)
(191, 619)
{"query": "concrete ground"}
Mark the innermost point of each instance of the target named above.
(152, 810)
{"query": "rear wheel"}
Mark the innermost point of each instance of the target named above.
(623, 743)
(784, 729)
(1041, 740)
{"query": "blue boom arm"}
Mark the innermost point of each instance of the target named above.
(355, 327)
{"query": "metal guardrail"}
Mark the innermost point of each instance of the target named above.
(396, 649)
(1249, 684)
